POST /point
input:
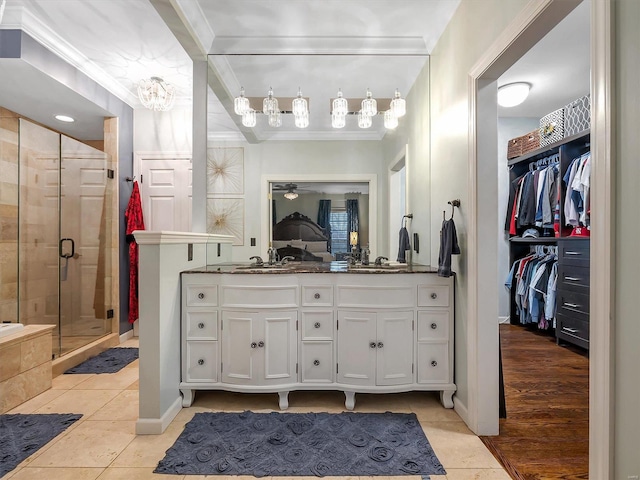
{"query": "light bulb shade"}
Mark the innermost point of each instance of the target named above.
(398, 105)
(241, 103)
(270, 104)
(513, 94)
(275, 119)
(302, 120)
(364, 121)
(390, 120)
(369, 105)
(290, 195)
(340, 105)
(299, 105)
(249, 118)
(338, 121)
(156, 94)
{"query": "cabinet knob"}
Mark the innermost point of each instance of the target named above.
(434, 326)
(316, 362)
(380, 344)
(201, 325)
(261, 344)
(434, 295)
(316, 296)
(254, 344)
(201, 361)
(201, 295)
(434, 363)
(316, 325)
(372, 345)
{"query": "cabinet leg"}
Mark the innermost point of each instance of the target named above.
(446, 398)
(284, 400)
(349, 400)
(187, 397)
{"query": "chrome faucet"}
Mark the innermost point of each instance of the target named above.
(259, 261)
(379, 260)
(286, 259)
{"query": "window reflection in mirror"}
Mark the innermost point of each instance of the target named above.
(315, 220)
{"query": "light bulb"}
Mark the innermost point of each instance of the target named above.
(364, 121)
(338, 121)
(398, 105)
(240, 103)
(369, 105)
(249, 118)
(299, 105)
(390, 120)
(340, 106)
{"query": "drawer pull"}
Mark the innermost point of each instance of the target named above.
(201, 361)
(570, 330)
(434, 326)
(201, 325)
(372, 345)
(316, 362)
(201, 295)
(380, 344)
(316, 325)
(254, 344)
(570, 305)
(434, 363)
(434, 295)
(261, 344)
(572, 279)
(316, 296)
(569, 252)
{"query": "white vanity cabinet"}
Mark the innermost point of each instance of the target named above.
(353, 332)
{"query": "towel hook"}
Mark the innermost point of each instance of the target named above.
(130, 179)
(454, 203)
(404, 219)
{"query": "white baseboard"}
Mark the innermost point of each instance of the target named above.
(136, 328)
(126, 336)
(156, 426)
(503, 319)
(461, 409)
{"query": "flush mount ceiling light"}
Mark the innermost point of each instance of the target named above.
(65, 118)
(156, 94)
(513, 94)
(290, 194)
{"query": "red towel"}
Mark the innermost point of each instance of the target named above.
(134, 221)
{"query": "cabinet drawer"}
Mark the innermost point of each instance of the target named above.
(433, 363)
(575, 278)
(317, 296)
(262, 296)
(202, 362)
(433, 295)
(201, 295)
(433, 325)
(569, 302)
(573, 252)
(364, 296)
(573, 331)
(317, 362)
(317, 325)
(202, 325)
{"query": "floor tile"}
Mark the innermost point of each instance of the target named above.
(85, 402)
(58, 473)
(476, 474)
(67, 382)
(143, 474)
(124, 406)
(148, 450)
(39, 401)
(110, 381)
(91, 444)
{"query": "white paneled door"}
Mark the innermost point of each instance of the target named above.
(165, 190)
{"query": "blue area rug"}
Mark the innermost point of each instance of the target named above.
(21, 435)
(297, 444)
(109, 361)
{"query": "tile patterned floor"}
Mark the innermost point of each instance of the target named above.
(103, 445)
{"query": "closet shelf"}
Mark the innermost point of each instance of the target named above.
(547, 148)
(535, 241)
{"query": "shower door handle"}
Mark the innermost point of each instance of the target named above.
(73, 248)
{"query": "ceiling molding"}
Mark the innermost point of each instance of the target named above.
(226, 136)
(311, 135)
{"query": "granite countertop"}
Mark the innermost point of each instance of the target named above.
(311, 267)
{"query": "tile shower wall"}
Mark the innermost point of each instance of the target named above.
(8, 216)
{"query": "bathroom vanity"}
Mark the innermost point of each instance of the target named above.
(317, 326)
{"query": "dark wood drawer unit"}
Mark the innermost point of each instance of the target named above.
(572, 292)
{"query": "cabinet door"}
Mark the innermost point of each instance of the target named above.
(279, 347)
(356, 355)
(394, 364)
(238, 357)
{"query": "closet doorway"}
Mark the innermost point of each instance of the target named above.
(64, 237)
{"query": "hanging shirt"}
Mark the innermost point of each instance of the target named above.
(134, 221)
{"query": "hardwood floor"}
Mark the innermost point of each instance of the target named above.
(546, 432)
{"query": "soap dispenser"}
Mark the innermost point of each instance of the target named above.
(271, 254)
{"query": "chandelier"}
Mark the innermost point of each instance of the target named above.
(156, 94)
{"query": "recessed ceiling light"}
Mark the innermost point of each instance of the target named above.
(513, 94)
(65, 118)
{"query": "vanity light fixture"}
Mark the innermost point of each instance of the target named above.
(241, 103)
(390, 120)
(270, 103)
(156, 94)
(249, 118)
(398, 105)
(369, 105)
(364, 121)
(338, 121)
(513, 94)
(65, 118)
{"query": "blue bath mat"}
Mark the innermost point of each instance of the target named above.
(109, 361)
(302, 444)
(21, 435)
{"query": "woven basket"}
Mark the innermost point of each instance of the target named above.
(530, 141)
(514, 148)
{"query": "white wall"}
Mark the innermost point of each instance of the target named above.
(162, 131)
(508, 128)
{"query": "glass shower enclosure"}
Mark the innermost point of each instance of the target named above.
(63, 237)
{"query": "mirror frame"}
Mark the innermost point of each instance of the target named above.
(265, 203)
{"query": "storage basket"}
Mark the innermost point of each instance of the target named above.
(530, 141)
(514, 148)
(577, 116)
(552, 127)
